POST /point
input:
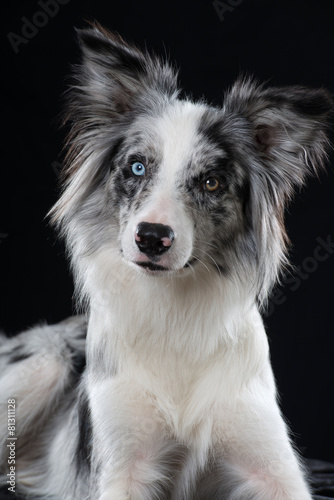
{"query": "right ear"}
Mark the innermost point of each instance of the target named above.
(114, 82)
(116, 78)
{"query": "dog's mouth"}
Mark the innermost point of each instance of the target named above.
(152, 266)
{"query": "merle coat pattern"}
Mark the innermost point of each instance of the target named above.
(172, 211)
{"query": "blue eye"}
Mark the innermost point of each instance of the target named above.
(138, 168)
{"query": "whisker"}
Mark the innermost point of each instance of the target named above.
(213, 245)
(210, 257)
(203, 264)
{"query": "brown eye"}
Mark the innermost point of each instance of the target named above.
(211, 184)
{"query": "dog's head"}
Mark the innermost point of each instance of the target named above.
(172, 185)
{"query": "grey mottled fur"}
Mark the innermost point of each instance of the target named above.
(261, 144)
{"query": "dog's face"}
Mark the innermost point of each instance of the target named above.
(174, 186)
(179, 194)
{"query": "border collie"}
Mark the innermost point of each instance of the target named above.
(172, 211)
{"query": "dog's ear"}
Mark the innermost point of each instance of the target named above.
(113, 83)
(116, 77)
(286, 140)
(289, 126)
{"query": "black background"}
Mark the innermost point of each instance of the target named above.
(282, 42)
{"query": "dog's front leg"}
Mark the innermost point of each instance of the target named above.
(259, 461)
(133, 456)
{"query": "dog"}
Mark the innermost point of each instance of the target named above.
(173, 216)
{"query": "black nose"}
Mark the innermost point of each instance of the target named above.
(154, 239)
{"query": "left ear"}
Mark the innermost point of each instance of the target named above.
(289, 127)
(286, 140)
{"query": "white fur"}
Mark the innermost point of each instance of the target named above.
(178, 399)
(189, 361)
(197, 370)
(185, 370)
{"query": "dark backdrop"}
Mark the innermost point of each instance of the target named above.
(282, 42)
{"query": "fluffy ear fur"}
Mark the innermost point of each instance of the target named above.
(288, 128)
(114, 82)
(117, 77)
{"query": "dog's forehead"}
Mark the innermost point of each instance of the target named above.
(180, 138)
(177, 125)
